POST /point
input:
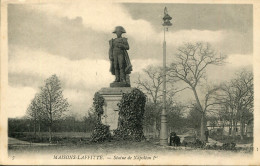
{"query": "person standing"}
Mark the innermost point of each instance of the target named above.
(174, 139)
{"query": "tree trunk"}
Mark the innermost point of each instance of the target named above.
(50, 134)
(197, 99)
(39, 127)
(230, 127)
(202, 127)
(154, 129)
(234, 128)
(235, 131)
(202, 124)
(241, 129)
(99, 118)
(85, 125)
(34, 128)
(50, 127)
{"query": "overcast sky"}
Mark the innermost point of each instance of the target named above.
(71, 40)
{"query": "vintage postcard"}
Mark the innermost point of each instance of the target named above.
(169, 82)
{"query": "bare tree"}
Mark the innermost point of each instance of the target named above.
(237, 98)
(244, 96)
(240, 97)
(190, 67)
(227, 111)
(53, 102)
(151, 84)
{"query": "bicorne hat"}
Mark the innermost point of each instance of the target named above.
(119, 28)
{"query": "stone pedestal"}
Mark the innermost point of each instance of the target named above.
(112, 97)
(119, 84)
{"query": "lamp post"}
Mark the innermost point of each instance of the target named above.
(164, 131)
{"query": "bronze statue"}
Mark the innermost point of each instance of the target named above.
(120, 62)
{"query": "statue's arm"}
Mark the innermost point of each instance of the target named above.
(110, 49)
(124, 44)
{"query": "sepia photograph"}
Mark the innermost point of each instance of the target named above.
(119, 82)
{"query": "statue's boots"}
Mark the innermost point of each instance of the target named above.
(117, 76)
(123, 80)
(122, 76)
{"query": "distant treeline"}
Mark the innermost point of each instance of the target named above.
(68, 124)
(151, 123)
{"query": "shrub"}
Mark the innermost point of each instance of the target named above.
(229, 146)
(100, 133)
(131, 114)
(198, 144)
(213, 146)
(193, 142)
(98, 104)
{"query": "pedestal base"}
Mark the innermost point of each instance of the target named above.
(119, 84)
(112, 97)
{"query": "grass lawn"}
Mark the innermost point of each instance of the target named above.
(120, 147)
(54, 134)
(236, 139)
(69, 143)
(145, 151)
(57, 137)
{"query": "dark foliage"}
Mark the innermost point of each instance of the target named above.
(67, 124)
(19, 125)
(213, 147)
(131, 115)
(98, 104)
(194, 118)
(219, 136)
(229, 146)
(30, 137)
(226, 146)
(90, 120)
(193, 142)
(101, 133)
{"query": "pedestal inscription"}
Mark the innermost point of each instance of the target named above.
(112, 97)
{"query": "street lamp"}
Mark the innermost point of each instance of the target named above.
(164, 131)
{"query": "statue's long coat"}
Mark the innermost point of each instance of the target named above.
(128, 65)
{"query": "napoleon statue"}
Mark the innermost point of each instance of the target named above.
(120, 65)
